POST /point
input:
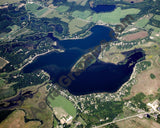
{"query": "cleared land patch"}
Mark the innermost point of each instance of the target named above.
(142, 22)
(62, 8)
(80, 2)
(8, 1)
(146, 84)
(135, 36)
(3, 62)
(76, 25)
(113, 17)
(80, 14)
(157, 17)
(63, 103)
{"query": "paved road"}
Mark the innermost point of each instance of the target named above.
(121, 119)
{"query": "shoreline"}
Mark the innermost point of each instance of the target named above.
(41, 54)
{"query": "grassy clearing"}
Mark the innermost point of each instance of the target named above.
(62, 8)
(80, 2)
(155, 28)
(76, 25)
(9, 1)
(142, 22)
(41, 12)
(63, 103)
(2, 62)
(157, 17)
(32, 7)
(82, 15)
(113, 17)
(53, 14)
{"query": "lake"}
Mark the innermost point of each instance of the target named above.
(104, 8)
(99, 77)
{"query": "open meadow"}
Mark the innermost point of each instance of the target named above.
(113, 17)
(63, 103)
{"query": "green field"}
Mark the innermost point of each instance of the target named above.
(62, 8)
(142, 22)
(76, 25)
(80, 14)
(157, 17)
(53, 14)
(32, 7)
(62, 102)
(9, 1)
(41, 12)
(155, 28)
(113, 17)
(2, 62)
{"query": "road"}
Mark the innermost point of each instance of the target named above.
(121, 119)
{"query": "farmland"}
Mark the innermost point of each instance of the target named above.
(8, 1)
(113, 17)
(80, 14)
(76, 25)
(157, 17)
(135, 36)
(62, 8)
(142, 22)
(3, 62)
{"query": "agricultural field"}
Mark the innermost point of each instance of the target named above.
(16, 120)
(53, 14)
(142, 22)
(2, 2)
(62, 103)
(79, 2)
(113, 17)
(33, 8)
(80, 14)
(76, 25)
(3, 62)
(14, 28)
(157, 17)
(62, 8)
(156, 29)
(135, 36)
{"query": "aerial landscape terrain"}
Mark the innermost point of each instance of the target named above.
(79, 63)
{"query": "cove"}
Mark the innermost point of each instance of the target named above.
(105, 77)
(104, 8)
(99, 77)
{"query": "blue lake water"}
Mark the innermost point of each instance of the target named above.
(99, 77)
(104, 8)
